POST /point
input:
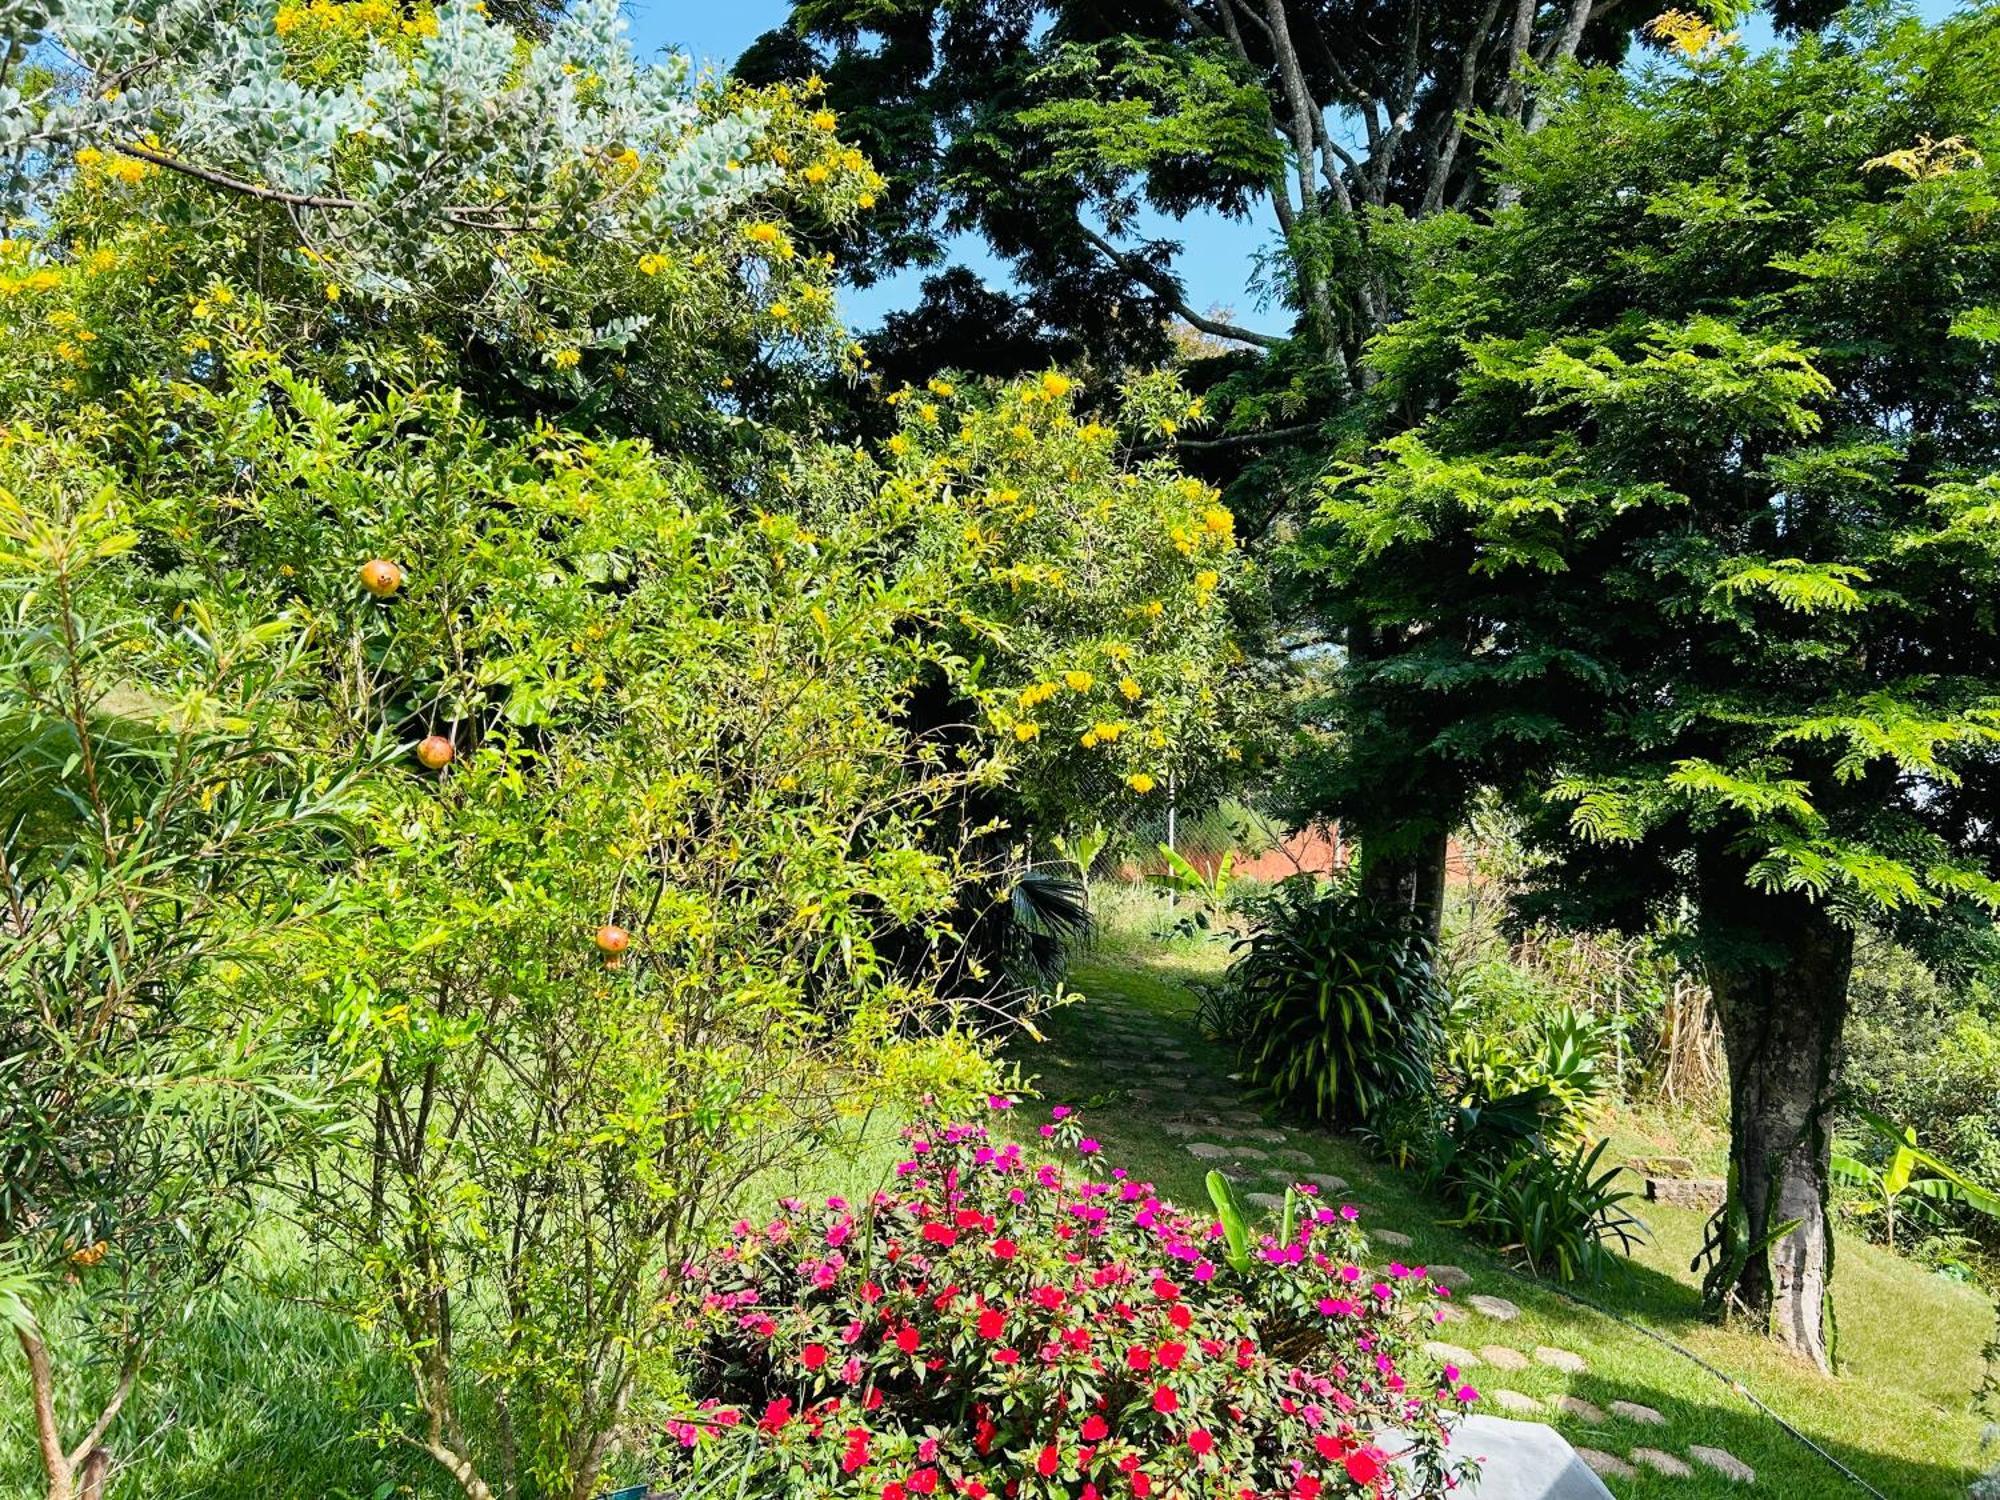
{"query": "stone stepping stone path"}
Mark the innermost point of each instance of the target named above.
(1582, 1410)
(1662, 1463)
(1215, 1126)
(1607, 1465)
(1450, 1354)
(1725, 1463)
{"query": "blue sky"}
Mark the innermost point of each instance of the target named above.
(1218, 253)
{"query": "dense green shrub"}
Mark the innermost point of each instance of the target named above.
(1342, 1002)
(997, 1326)
(1558, 1210)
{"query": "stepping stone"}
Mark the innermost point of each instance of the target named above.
(1251, 1153)
(1451, 1276)
(1295, 1158)
(1494, 1307)
(1607, 1465)
(1450, 1354)
(1394, 1239)
(1724, 1463)
(1582, 1410)
(1209, 1151)
(1632, 1411)
(1664, 1463)
(1266, 1134)
(1502, 1358)
(1173, 1054)
(1186, 1128)
(1444, 1312)
(1326, 1182)
(1514, 1401)
(1560, 1359)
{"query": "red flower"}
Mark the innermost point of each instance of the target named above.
(892, 1491)
(1307, 1488)
(1171, 1355)
(857, 1450)
(1366, 1465)
(1004, 1249)
(1047, 1461)
(940, 1234)
(1006, 1356)
(1139, 1359)
(924, 1481)
(1165, 1401)
(813, 1356)
(1201, 1441)
(1142, 1484)
(992, 1323)
(1180, 1317)
(1164, 1289)
(777, 1414)
(972, 1489)
(1095, 1428)
(907, 1339)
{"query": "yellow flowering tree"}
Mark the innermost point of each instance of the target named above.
(1094, 583)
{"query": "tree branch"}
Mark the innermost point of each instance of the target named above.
(1461, 106)
(1231, 440)
(466, 216)
(1164, 286)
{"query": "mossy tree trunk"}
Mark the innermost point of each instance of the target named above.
(1779, 970)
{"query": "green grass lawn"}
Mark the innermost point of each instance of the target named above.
(1899, 1413)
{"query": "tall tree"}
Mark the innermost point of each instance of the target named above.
(1689, 542)
(1049, 127)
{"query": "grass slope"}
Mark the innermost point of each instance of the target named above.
(1899, 1414)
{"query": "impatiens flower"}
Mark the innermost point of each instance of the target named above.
(992, 1323)
(924, 1482)
(813, 1356)
(1095, 1429)
(1171, 1355)
(1088, 1147)
(1142, 1483)
(908, 1339)
(1048, 1461)
(1139, 1359)
(1467, 1394)
(1201, 1440)
(1366, 1465)
(1004, 1249)
(1164, 1289)
(1165, 1401)
(777, 1414)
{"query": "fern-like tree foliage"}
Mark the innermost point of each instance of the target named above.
(1687, 537)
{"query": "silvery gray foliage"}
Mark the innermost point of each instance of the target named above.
(423, 169)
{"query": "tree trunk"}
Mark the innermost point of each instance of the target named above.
(1410, 882)
(1778, 966)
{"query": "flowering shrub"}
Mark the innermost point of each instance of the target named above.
(1003, 1326)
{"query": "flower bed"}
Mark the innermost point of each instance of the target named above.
(1003, 1325)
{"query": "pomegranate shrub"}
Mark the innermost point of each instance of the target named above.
(1005, 1326)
